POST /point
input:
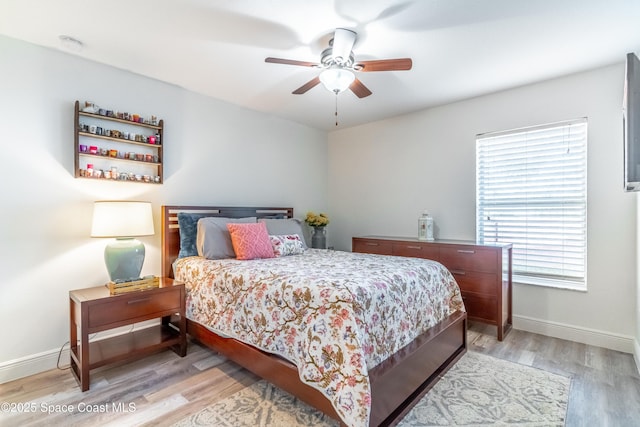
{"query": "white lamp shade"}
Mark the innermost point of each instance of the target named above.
(122, 219)
(337, 79)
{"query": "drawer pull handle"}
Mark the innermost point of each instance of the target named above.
(372, 244)
(466, 251)
(136, 301)
(414, 247)
(458, 272)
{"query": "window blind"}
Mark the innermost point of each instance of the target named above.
(531, 191)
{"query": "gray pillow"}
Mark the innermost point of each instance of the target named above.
(213, 239)
(277, 227)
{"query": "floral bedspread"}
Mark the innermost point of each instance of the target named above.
(334, 314)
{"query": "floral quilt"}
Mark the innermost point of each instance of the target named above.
(334, 314)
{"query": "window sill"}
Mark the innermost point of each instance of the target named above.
(549, 283)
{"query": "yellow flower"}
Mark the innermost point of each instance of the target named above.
(314, 220)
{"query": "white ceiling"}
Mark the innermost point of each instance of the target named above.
(460, 48)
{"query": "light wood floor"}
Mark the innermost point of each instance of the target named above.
(164, 388)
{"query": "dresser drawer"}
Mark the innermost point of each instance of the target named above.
(416, 250)
(136, 305)
(469, 259)
(479, 283)
(372, 246)
(481, 307)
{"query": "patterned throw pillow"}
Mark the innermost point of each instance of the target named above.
(288, 244)
(250, 240)
(280, 227)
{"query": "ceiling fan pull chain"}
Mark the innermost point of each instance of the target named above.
(336, 108)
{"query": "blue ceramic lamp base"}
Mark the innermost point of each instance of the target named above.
(124, 258)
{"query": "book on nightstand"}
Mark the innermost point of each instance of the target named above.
(134, 285)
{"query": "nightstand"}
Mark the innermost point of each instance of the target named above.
(94, 310)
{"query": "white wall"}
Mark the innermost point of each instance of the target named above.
(379, 177)
(215, 153)
(636, 350)
(383, 174)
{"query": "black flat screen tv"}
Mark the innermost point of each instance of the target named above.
(631, 123)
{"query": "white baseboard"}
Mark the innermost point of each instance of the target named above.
(589, 336)
(33, 364)
(636, 353)
(40, 362)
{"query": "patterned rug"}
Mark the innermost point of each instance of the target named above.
(479, 390)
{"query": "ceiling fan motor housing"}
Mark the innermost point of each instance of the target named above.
(327, 59)
(341, 45)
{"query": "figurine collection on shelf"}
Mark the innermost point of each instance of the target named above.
(147, 133)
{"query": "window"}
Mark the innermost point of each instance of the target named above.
(531, 191)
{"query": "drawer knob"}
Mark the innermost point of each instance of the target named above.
(466, 251)
(414, 247)
(458, 272)
(372, 244)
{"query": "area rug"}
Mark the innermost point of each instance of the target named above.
(479, 390)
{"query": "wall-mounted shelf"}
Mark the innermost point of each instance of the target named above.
(108, 147)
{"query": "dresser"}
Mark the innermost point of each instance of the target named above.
(483, 272)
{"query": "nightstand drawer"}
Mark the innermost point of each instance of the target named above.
(469, 259)
(138, 304)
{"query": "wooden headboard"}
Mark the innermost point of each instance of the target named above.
(171, 229)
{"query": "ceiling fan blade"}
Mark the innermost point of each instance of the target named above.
(291, 62)
(385, 65)
(308, 85)
(360, 90)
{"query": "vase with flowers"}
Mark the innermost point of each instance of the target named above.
(318, 222)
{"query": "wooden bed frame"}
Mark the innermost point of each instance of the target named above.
(396, 384)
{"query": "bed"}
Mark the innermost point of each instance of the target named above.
(393, 385)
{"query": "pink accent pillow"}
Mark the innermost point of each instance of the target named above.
(250, 240)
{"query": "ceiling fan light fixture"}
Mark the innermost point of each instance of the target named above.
(337, 79)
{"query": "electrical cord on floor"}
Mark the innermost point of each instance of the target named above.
(64, 368)
(60, 355)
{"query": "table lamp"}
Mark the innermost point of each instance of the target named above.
(123, 256)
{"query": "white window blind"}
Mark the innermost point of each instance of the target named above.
(531, 191)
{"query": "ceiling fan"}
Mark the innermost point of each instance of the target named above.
(338, 65)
